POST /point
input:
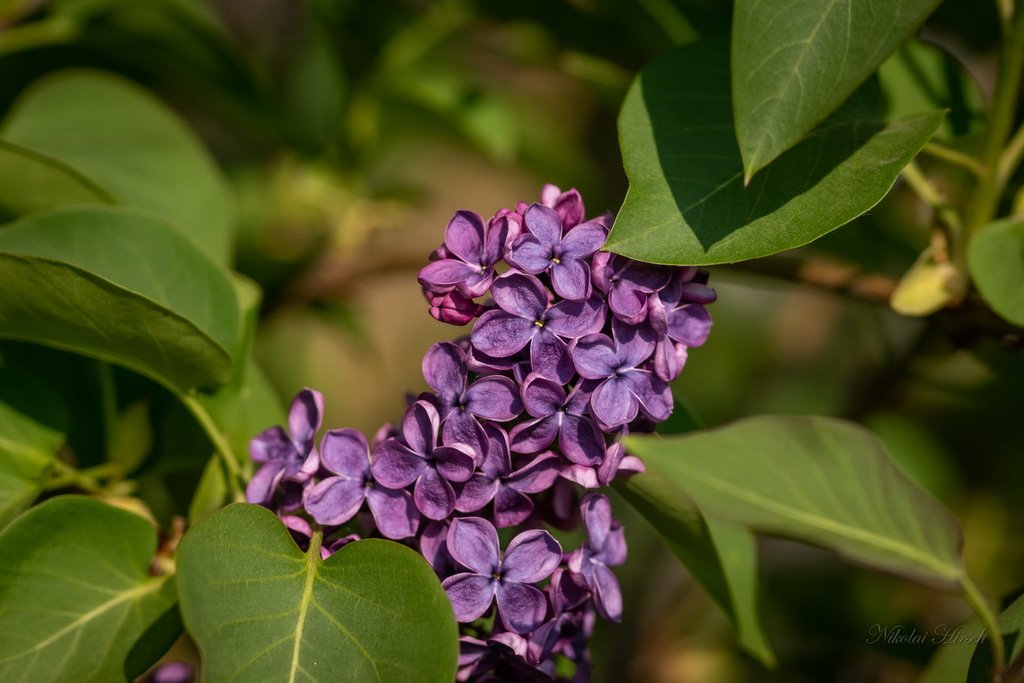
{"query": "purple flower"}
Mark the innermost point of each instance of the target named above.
(335, 500)
(284, 457)
(543, 248)
(416, 457)
(531, 557)
(680, 321)
(605, 546)
(628, 284)
(626, 387)
(568, 205)
(556, 414)
(469, 254)
(524, 316)
(453, 307)
(492, 397)
(496, 481)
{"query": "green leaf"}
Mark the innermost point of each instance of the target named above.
(120, 286)
(818, 480)
(995, 257)
(686, 202)
(132, 437)
(76, 592)
(33, 182)
(131, 146)
(212, 492)
(720, 556)
(1011, 625)
(260, 609)
(33, 424)
(795, 62)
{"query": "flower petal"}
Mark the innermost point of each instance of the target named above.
(574, 319)
(394, 512)
(534, 435)
(433, 495)
(544, 223)
(433, 546)
(595, 357)
(464, 236)
(395, 466)
(501, 334)
(521, 295)
(635, 343)
(541, 396)
(613, 402)
(444, 369)
(570, 278)
(271, 444)
(345, 451)
(455, 462)
(654, 395)
(473, 543)
(463, 428)
(471, 595)
(584, 239)
(522, 608)
(335, 500)
(531, 557)
(581, 441)
(537, 475)
(569, 206)
(607, 595)
(419, 427)
(549, 357)
(596, 511)
(443, 274)
(496, 236)
(689, 325)
(474, 494)
(304, 416)
(511, 507)
(498, 461)
(529, 255)
(628, 303)
(261, 487)
(494, 398)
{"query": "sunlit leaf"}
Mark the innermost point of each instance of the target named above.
(260, 609)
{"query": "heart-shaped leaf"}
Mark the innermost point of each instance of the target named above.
(260, 609)
(819, 480)
(795, 62)
(121, 286)
(995, 256)
(131, 146)
(33, 423)
(687, 204)
(76, 592)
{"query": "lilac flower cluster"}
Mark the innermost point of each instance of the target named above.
(571, 349)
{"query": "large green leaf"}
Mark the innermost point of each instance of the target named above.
(819, 480)
(76, 592)
(33, 424)
(793, 63)
(261, 610)
(995, 257)
(120, 286)
(131, 146)
(33, 182)
(687, 203)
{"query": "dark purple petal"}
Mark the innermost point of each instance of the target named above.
(544, 223)
(634, 343)
(455, 462)
(494, 398)
(697, 293)
(645, 277)
(440, 276)
(607, 595)
(569, 206)
(395, 466)
(498, 461)
(537, 475)
(570, 278)
(497, 235)
(669, 359)
(529, 255)
(521, 295)
(522, 608)
(614, 551)
(473, 543)
(584, 239)
(444, 369)
(511, 507)
(304, 416)
(628, 303)
(596, 511)
(462, 427)
(502, 334)
(419, 427)
(541, 396)
(689, 325)
(345, 451)
(474, 494)
(335, 500)
(470, 594)
(464, 236)
(654, 395)
(574, 319)
(433, 495)
(394, 512)
(549, 357)
(261, 487)
(595, 357)
(581, 475)
(580, 440)
(271, 444)
(434, 547)
(531, 557)
(453, 308)
(534, 435)
(613, 402)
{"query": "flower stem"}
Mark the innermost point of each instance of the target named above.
(988, 619)
(223, 448)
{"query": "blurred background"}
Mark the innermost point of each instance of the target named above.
(351, 132)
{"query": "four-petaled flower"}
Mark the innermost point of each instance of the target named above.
(561, 416)
(530, 558)
(287, 457)
(678, 316)
(335, 500)
(544, 248)
(416, 457)
(605, 547)
(469, 254)
(628, 284)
